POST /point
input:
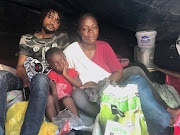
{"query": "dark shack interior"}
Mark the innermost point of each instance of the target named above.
(118, 21)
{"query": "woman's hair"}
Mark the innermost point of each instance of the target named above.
(46, 11)
(80, 20)
(52, 51)
(84, 16)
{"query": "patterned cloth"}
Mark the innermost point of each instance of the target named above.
(33, 67)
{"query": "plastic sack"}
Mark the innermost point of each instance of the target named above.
(121, 111)
(15, 118)
(47, 128)
(97, 128)
(66, 121)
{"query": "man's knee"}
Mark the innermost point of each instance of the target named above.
(3, 75)
(137, 69)
(139, 80)
(40, 82)
(41, 79)
(9, 80)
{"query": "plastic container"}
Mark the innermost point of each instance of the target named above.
(145, 56)
(146, 39)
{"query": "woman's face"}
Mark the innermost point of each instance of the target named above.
(88, 30)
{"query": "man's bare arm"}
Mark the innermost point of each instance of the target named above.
(20, 70)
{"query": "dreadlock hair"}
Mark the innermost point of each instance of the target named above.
(44, 13)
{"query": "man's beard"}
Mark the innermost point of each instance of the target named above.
(48, 31)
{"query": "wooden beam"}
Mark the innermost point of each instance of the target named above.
(168, 72)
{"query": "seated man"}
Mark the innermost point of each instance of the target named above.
(34, 46)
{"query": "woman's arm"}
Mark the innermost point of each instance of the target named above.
(55, 95)
(113, 63)
(116, 75)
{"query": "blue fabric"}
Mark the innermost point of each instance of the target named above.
(1, 131)
(8, 81)
(156, 116)
(38, 97)
(37, 103)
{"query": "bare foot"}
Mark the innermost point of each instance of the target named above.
(174, 115)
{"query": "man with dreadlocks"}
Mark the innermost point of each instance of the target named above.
(35, 46)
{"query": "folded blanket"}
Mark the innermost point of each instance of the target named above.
(169, 94)
(95, 92)
(13, 94)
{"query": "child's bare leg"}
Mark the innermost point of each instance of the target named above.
(61, 105)
(69, 103)
(50, 108)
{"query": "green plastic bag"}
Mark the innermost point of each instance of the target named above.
(121, 112)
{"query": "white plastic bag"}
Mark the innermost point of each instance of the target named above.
(66, 121)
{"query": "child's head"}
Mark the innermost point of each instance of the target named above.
(56, 59)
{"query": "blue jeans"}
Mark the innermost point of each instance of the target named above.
(1, 131)
(127, 72)
(37, 102)
(156, 116)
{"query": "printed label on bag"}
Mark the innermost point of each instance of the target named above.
(125, 98)
(115, 128)
(65, 129)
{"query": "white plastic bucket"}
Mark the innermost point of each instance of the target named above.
(146, 38)
(144, 56)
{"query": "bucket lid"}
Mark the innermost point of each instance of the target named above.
(149, 33)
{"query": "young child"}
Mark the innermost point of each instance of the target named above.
(62, 81)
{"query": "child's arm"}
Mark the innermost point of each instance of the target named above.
(55, 95)
(75, 82)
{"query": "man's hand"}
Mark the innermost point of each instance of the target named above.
(88, 85)
(26, 83)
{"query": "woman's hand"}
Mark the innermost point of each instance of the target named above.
(88, 85)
